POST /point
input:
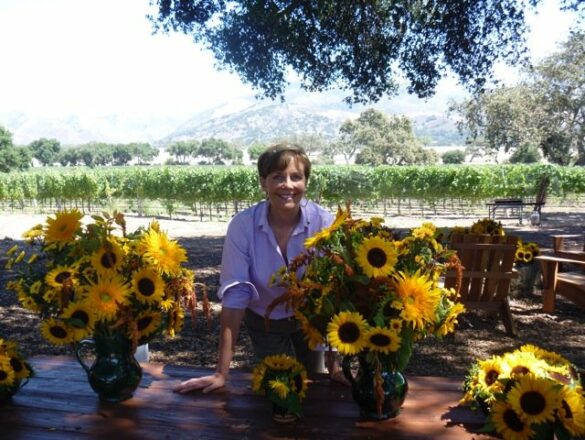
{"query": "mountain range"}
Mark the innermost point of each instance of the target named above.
(241, 121)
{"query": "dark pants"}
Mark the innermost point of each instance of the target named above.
(284, 336)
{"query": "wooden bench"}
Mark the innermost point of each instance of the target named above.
(517, 204)
(571, 285)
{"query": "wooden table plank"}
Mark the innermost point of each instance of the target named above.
(58, 403)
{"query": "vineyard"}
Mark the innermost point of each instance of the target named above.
(207, 192)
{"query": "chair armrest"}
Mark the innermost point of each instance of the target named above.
(553, 259)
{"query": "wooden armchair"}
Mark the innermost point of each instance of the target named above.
(571, 285)
(488, 263)
(569, 246)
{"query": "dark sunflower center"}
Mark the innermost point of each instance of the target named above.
(512, 421)
(3, 375)
(143, 322)
(380, 340)
(491, 377)
(567, 410)
(16, 365)
(58, 332)
(377, 257)
(520, 369)
(108, 260)
(82, 316)
(349, 332)
(62, 277)
(532, 402)
(146, 286)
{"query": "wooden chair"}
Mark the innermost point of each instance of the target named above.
(568, 246)
(571, 285)
(488, 263)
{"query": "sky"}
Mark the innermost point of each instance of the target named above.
(99, 57)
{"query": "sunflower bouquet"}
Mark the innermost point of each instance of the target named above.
(14, 369)
(366, 293)
(525, 253)
(487, 226)
(284, 380)
(98, 279)
(529, 393)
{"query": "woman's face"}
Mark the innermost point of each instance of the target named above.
(286, 188)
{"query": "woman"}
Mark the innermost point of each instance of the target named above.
(259, 241)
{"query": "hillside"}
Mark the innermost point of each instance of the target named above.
(243, 122)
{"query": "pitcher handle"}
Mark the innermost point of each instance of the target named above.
(78, 347)
(346, 368)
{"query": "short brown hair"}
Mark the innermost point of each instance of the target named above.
(277, 158)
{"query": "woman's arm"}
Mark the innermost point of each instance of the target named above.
(230, 322)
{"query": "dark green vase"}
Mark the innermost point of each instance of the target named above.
(115, 374)
(362, 385)
(6, 393)
(282, 415)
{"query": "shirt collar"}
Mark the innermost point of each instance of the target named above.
(301, 226)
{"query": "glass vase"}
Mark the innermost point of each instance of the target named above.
(6, 392)
(115, 374)
(394, 386)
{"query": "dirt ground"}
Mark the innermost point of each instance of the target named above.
(478, 335)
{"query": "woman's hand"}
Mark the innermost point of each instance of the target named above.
(205, 384)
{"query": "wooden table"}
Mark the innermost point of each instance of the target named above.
(59, 404)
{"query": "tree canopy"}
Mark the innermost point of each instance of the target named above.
(380, 139)
(546, 111)
(361, 47)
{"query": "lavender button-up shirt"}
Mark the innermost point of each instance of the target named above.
(251, 256)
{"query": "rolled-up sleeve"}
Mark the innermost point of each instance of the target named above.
(236, 290)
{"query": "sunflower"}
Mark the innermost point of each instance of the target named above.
(521, 363)
(426, 230)
(312, 335)
(450, 321)
(325, 233)
(20, 368)
(61, 276)
(109, 257)
(258, 377)
(490, 370)
(281, 388)
(279, 362)
(80, 317)
(383, 340)
(148, 323)
(7, 377)
(148, 286)
(28, 302)
(534, 398)
(56, 332)
(165, 254)
(281, 374)
(107, 295)
(346, 332)
(63, 228)
(548, 356)
(572, 411)
(420, 298)
(508, 423)
(377, 257)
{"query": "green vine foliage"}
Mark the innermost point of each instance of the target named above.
(330, 184)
